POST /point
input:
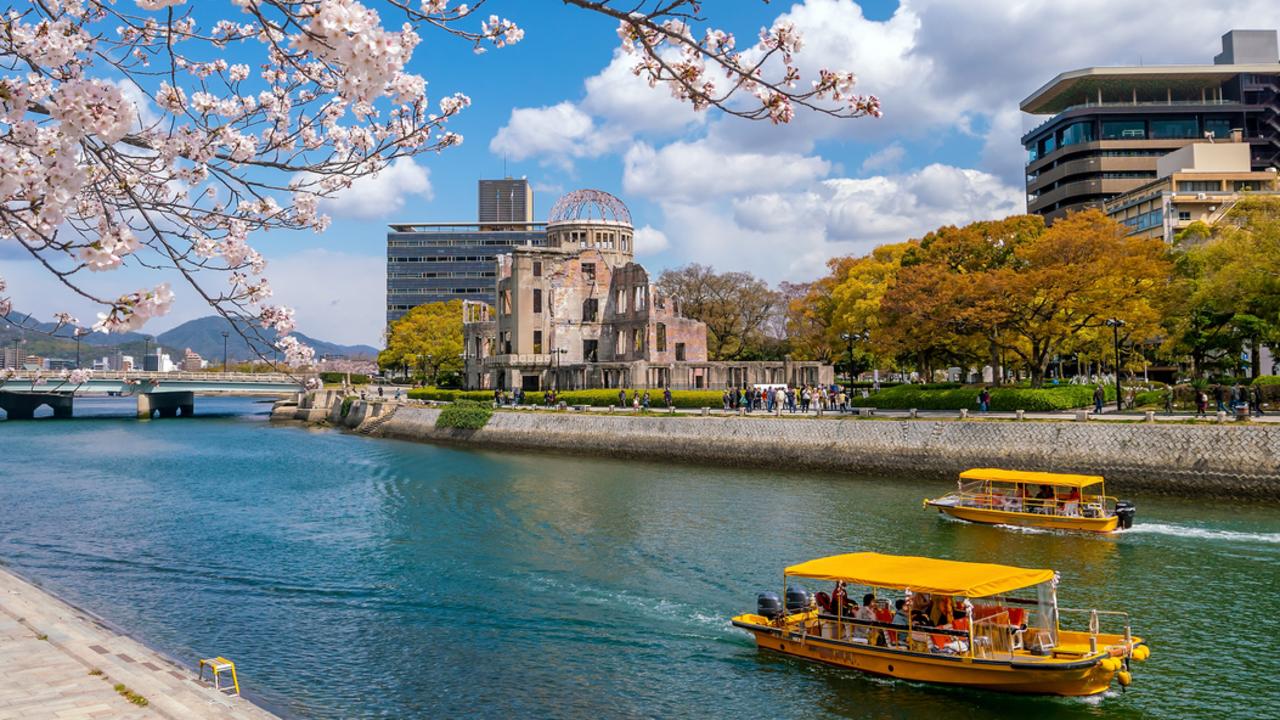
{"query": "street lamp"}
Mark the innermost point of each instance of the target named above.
(79, 333)
(1115, 324)
(224, 350)
(849, 338)
(555, 379)
(146, 350)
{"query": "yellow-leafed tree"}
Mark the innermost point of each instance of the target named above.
(428, 339)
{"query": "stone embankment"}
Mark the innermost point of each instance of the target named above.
(1223, 460)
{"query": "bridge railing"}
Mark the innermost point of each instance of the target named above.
(231, 377)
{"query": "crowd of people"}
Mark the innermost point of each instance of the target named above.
(779, 398)
(917, 614)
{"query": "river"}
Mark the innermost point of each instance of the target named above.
(352, 577)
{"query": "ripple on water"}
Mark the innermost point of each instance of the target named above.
(536, 586)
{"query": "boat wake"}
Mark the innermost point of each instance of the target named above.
(1188, 531)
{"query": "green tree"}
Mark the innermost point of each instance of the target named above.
(428, 339)
(1233, 276)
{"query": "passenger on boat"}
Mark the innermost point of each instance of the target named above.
(883, 615)
(824, 601)
(952, 644)
(1070, 503)
(899, 618)
(865, 614)
(840, 599)
(1045, 497)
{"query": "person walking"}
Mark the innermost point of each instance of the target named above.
(644, 402)
(1219, 396)
(1255, 399)
(984, 400)
(666, 396)
(791, 400)
(622, 398)
(1098, 397)
(1202, 403)
(1168, 400)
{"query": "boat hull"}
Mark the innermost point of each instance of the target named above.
(1051, 522)
(1036, 676)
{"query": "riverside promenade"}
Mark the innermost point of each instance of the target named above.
(58, 662)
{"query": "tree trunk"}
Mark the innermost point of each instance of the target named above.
(997, 367)
(1255, 358)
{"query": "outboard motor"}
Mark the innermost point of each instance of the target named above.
(1125, 511)
(798, 600)
(769, 605)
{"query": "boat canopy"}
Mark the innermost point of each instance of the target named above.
(920, 574)
(1034, 478)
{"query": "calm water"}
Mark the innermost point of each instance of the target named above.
(351, 577)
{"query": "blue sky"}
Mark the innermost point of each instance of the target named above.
(775, 200)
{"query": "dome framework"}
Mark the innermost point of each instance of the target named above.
(589, 205)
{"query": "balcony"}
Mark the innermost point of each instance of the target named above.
(1083, 189)
(1091, 165)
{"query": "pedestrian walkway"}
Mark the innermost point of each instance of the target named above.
(58, 662)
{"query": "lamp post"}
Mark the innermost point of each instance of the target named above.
(79, 333)
(555, 379)
(848, 337)
(146, 350)
(1115, 324)
(224, 350)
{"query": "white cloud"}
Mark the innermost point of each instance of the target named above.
(790, 234)
(650, 240)
(699, 169)
(373, 197)
(616, 108)
(887, 159)
(557, 133)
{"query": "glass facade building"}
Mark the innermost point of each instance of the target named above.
(1106, 127)
(438, 262)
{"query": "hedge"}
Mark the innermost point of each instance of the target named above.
(464, 415)
(923, 397)
(1267, 380)
(432, 393)
(606, 398)
(337, 377)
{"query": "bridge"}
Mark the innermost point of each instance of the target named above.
(166, 394)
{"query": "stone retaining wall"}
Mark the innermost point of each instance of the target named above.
(1225, 460)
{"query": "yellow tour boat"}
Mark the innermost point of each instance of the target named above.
(1059, 501)
(977, 625)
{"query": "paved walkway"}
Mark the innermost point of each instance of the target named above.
(48, 650)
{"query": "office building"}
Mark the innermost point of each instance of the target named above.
(1200, 182)
(578, 312)
(505, 200)
(1108, 126)
(438, 262)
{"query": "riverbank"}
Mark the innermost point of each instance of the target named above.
(1224, 460)
(60, 662)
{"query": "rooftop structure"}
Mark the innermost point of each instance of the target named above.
(1197, 183)
(1109, 125)
(506, 200)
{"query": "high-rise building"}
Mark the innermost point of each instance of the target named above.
(1107, 126)
(438, 262)
(507, 200)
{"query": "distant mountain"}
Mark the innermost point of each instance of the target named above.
(204, 335)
